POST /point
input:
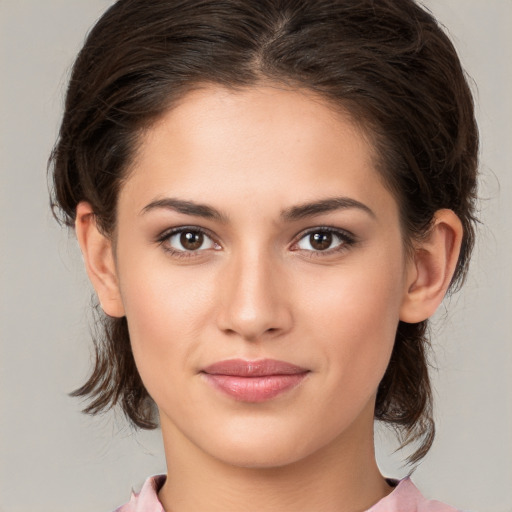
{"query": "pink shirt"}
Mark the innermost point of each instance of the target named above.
(405, 497)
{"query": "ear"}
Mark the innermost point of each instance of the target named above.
(431, 268)
(99, 260)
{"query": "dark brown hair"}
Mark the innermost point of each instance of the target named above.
(386, 62)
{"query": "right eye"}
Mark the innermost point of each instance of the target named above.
(187, 241)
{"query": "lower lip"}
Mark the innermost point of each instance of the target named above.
(254, 389)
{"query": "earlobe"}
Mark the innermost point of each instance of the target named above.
(99, 260)
(431, 268)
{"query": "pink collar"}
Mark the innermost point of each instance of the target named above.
(405, 497)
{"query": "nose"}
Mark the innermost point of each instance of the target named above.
(255, 303)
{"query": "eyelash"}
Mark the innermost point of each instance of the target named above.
(346, 238)
(166, 235)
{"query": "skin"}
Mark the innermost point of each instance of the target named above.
(257, 287)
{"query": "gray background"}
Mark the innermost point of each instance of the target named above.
(54, 459)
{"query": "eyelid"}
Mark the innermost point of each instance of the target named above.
(348, 240)
(168, 233)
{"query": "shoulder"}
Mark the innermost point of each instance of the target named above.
(147, 499)
(407, 498)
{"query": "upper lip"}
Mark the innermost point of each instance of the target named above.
(258, 368)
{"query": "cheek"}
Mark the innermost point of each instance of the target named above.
(166, 312)
(160, 299)
(357, 297)
(354, 316)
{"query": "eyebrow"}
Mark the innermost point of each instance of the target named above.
(302, 211)
(293, 213)
(187, 208)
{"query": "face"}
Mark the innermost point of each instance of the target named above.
(260, 266)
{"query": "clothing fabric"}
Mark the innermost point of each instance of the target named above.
(405, 497)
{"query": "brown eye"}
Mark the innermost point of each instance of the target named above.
(320, 241)
(191, 240)
(325, 240)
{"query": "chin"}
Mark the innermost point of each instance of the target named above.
(260, 459)
(261, 450)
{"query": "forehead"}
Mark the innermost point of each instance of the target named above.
(217, 143)
(211, 113)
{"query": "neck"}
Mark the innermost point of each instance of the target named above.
(341, 477)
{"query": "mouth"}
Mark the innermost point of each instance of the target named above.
(253, 381)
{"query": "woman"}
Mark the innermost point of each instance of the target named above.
(271, 200)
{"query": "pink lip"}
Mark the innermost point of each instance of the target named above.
(254, 381)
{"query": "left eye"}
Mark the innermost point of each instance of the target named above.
(189, 240)
(321, 240)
